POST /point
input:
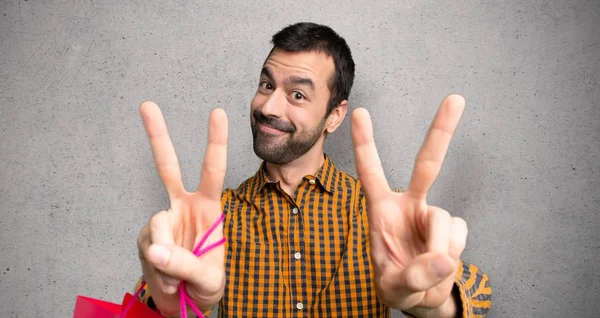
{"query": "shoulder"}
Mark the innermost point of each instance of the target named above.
(349, 184)
(242, 190)
(345, 181)
(350, 179)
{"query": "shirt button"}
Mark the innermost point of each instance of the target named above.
(311, 181)
(297, 255)
(295, 210)
(299, 306)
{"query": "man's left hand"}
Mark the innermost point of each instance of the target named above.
(415, 247)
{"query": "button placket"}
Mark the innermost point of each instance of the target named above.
(297, 268)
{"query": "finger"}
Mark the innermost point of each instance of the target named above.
(431, 156)
(439, 225)
(214, 166)
(368, 165)
(427, 271)
(423, 273)
(458, 237)
(161, 229)
(161, 232)
(143, 242)
(151, 275)
(182, 264)
(165, 158)
(154, 279)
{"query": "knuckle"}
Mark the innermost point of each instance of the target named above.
(168, 289)
(428, 165)
(208, 169)
(215, 284)
(439, 213)
(187, 271)
(155, 221)
(460, 224)
(458, 240)
(444, 213)
(415, 281)
(200, 286)
(457, 243)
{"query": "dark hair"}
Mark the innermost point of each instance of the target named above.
(305, 37)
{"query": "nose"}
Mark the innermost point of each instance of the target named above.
(275, 105)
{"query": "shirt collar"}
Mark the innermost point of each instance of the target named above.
(326, 177)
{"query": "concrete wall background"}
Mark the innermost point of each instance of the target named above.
(77, 180)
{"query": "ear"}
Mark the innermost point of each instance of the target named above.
(336, 117)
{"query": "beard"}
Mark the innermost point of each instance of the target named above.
(285, 148)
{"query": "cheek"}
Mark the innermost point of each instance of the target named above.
(302, 118)
(258, 101)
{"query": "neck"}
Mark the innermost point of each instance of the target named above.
(290, 174)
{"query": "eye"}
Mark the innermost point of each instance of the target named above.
(298, 96)
(265, 85)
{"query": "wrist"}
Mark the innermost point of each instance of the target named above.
(449, 309)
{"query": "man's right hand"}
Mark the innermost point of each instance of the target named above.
(165, 244)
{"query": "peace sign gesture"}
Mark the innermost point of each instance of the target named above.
(415, 247)
(165, 244)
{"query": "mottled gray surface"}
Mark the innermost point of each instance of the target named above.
(76, 175)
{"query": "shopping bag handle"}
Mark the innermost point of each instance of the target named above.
(184, 298)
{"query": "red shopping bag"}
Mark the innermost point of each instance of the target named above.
(131, 307)
(86, 307)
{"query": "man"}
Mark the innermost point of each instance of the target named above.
(305, 239)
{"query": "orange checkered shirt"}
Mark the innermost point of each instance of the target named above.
(308, 255)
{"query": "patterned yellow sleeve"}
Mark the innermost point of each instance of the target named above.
(144, 294)
(474, 290)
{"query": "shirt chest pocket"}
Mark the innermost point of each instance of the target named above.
(253, 279)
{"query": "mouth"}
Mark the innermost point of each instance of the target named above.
(270, 130)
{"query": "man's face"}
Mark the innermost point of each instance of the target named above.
(288, 110)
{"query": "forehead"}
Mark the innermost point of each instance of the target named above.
(319, 66)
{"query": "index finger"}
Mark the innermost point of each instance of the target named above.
(431, 156)
(165, 158)
(368, 165)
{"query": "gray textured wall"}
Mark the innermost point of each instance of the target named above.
(76, 175)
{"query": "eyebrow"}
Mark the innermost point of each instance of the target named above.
(297, 80)
(294, 80)
(266, 72)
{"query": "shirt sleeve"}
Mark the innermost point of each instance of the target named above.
(474, 289)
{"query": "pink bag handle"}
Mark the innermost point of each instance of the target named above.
(183, 295)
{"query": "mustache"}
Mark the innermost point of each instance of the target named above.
(273, 122)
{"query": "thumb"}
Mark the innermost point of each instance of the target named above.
(424, 272)
(427, 271)
(180, 263)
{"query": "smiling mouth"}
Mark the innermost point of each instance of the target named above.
(270, 130)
